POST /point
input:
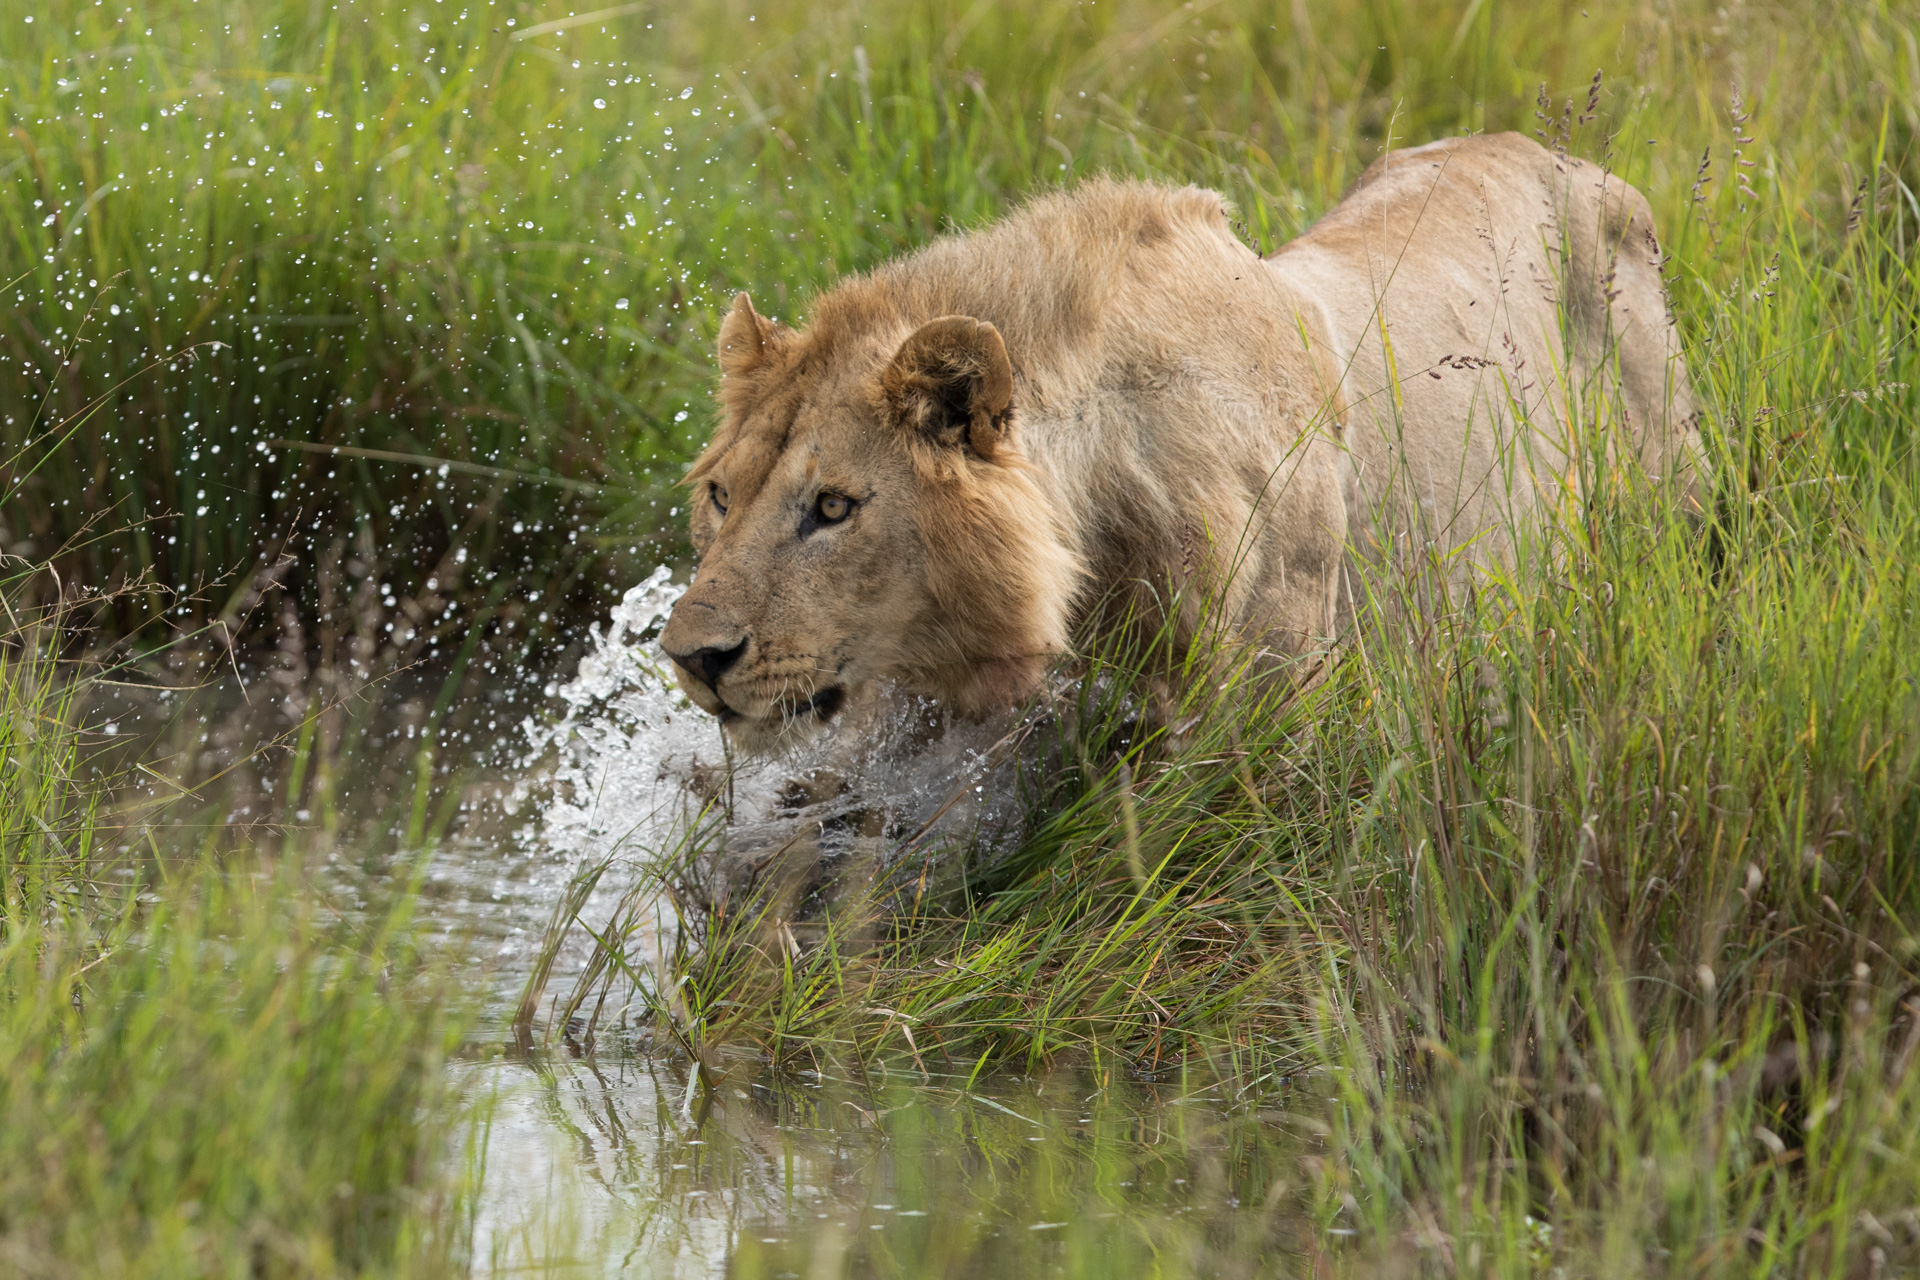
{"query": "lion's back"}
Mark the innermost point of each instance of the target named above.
(1448, 279)
(1052, 274)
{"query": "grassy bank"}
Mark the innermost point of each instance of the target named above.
(206, 1067)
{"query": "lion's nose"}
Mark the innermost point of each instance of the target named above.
(711, 662)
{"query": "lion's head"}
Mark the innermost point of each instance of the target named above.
(864, 514)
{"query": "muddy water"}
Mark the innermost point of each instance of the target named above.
(609, 1158)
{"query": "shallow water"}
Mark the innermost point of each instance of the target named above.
(601, 1154)
(622, 1160)
(613, 1166)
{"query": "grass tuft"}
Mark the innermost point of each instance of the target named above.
(207, 1066)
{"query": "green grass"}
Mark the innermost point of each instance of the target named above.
(1591, 900)
(417, 243)
(207, 1068)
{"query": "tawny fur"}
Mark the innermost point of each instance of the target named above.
(1106, 399)
(1447, 284)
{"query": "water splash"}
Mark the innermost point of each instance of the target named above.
(632, 774)
(614, 774)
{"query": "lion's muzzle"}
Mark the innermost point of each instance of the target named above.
(700, 672)
(710, 663)
(723, 669)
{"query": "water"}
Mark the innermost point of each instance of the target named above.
(637, 787)
(623, 1160)
(636, 766)
(606, 1155)
(601, 1168)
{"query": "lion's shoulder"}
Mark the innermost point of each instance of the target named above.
(1047, 274)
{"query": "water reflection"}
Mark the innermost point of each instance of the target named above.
(617, 1162)
(627, 1166)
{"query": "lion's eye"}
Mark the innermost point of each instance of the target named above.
(831, 508)
(719, 499)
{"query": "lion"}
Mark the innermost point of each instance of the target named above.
(1106, 406)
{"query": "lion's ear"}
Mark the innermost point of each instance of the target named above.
(746, 338)
(951, 382)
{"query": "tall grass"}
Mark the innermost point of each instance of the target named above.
(206, 1068)
(479, 246)
(1590, 900)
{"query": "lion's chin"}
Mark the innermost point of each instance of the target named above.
(786, 726)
